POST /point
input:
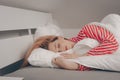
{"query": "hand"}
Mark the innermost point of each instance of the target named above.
(70, 56)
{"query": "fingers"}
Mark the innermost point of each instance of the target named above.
(57, 60)
(67, 56)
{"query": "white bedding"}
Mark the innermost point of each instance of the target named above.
(104, 62)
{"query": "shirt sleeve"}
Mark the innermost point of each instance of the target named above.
(84, 68)
(81, 35)
(106, 47)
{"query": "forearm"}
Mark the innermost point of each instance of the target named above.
(73, 55)
(63, 63)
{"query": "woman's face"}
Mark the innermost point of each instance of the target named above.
(60, 44)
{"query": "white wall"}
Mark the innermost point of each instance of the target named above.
(70, 13)
(71, 32)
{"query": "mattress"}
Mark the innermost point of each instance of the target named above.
(36, 73)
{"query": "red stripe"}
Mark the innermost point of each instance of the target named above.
(83, 68)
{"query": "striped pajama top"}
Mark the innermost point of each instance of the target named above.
(108, 43)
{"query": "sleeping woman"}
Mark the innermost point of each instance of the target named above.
(108, 45)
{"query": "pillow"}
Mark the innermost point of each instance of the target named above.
(49, 29)
(112, 19)
(42, 57)
(103, 62)
(83, 46)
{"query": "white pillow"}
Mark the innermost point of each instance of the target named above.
(49, 29)
(112, 19)
(83, 46)
(42, 57)
(103, 62)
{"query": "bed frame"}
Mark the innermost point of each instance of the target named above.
(16, 26)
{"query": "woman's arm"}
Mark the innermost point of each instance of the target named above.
(63, 63)
(72, 56)
(80, 36)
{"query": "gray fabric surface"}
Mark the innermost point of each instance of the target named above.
(35, 73)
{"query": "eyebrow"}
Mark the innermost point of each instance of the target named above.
(54, 39)
(66, 38)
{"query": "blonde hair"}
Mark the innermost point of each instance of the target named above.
(42, 42)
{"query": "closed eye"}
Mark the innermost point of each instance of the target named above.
(58, 45)
(66, 39)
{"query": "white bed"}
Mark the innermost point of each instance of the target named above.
(18, 24)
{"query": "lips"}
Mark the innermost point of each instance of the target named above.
(66, 48)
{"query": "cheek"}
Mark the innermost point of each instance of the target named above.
(69, 44)
(51, 47)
